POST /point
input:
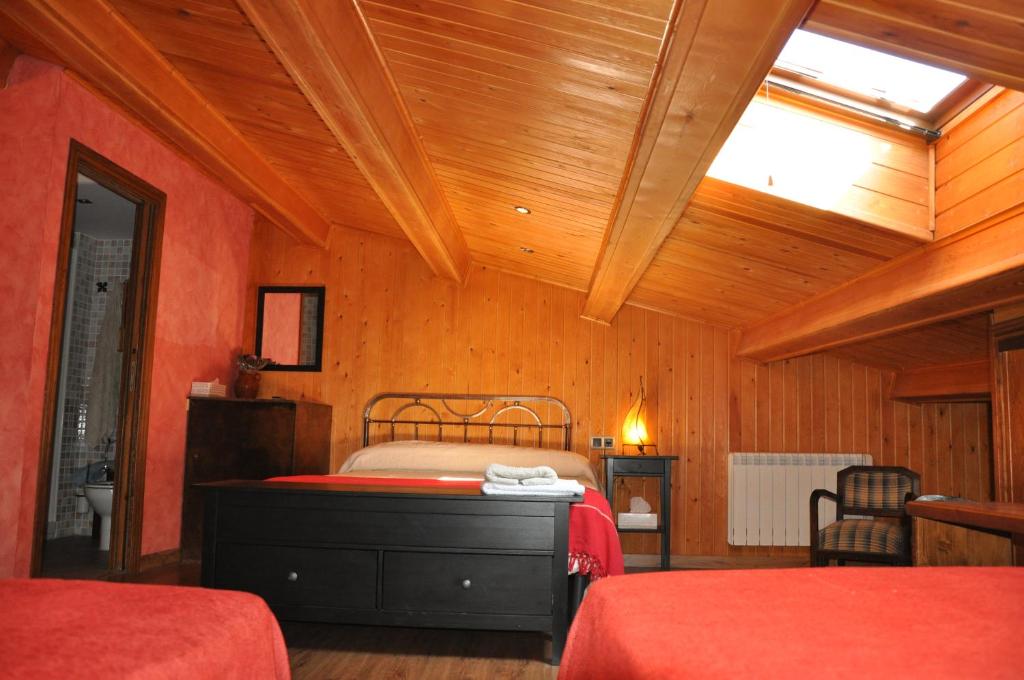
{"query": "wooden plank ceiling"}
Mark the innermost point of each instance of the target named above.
(738, 255)
(948, 342)
(536, 103)
(530, 104)
(214, 45)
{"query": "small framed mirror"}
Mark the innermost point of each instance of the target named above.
(290, 327)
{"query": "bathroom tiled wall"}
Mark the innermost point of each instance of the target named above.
(307, 334)
(98, 261)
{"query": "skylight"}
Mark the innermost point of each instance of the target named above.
(867, 73)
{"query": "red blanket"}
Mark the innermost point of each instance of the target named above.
(594, 548)
(51, 629)
(844, 622)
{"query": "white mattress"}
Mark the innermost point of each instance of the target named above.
(435, 460)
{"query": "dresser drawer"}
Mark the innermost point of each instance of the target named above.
(483, 584)
(319, 577)
(639, 466)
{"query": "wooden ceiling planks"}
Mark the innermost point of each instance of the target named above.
(738, 255)
(980, 38)
(954, 341)
(215, 46)
(328, 50)
(974, 270)
(112, 56)
(528, 104)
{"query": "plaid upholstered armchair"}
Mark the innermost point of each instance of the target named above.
(877, 491)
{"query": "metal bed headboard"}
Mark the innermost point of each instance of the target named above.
(495, 406)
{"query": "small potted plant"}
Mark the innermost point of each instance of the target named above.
(247, 385)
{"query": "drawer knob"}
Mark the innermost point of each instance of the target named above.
(293, 576)
(466, 584)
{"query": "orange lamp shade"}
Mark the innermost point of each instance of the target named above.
(634, 433)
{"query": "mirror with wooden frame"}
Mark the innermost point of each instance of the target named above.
(290, 327)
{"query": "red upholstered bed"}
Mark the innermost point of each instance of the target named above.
(54, 629)
(881, 622)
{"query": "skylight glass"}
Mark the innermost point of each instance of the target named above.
(866, 72)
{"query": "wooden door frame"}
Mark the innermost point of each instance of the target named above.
(137, 369)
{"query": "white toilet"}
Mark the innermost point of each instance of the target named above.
(101, 498)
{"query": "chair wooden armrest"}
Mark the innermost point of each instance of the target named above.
(816, 495)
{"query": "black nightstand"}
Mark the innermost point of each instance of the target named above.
(645, 466)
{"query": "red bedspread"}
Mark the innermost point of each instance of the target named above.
(52, 629)
(594, 548)
(883, 622)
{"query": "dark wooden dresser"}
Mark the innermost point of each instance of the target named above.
(248, 439)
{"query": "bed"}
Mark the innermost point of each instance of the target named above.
(54, 629)
(402, 535)
(866, 622)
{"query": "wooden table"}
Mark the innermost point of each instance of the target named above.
(659, 467)
(1005, 519)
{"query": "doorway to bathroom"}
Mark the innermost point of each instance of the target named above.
(92, 459)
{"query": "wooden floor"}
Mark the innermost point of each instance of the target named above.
(335, 652)
(326, 652)
(74, 557)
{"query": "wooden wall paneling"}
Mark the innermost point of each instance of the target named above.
(1008, 407)
(691, 462)
(980, 165)
(391, 325)
(969, 381)
(982, 39)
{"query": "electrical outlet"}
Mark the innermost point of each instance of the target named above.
(609, 442)
(602, 442)
(597, 442)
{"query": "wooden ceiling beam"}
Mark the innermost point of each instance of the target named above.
(99, 45)
(978, 38)
(713, 60)
(967, 381)
(975, 270)
(328, 50)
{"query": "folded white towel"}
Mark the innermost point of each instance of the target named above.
(562, 487)
(497, 473)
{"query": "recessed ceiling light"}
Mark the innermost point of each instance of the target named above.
(522, 210)
(527, 250)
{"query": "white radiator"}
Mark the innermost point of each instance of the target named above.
(769, 494)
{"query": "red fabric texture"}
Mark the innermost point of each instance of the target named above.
(53, 629)
(849, 622)
(594, 547)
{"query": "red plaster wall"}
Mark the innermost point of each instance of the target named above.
(201, 289)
